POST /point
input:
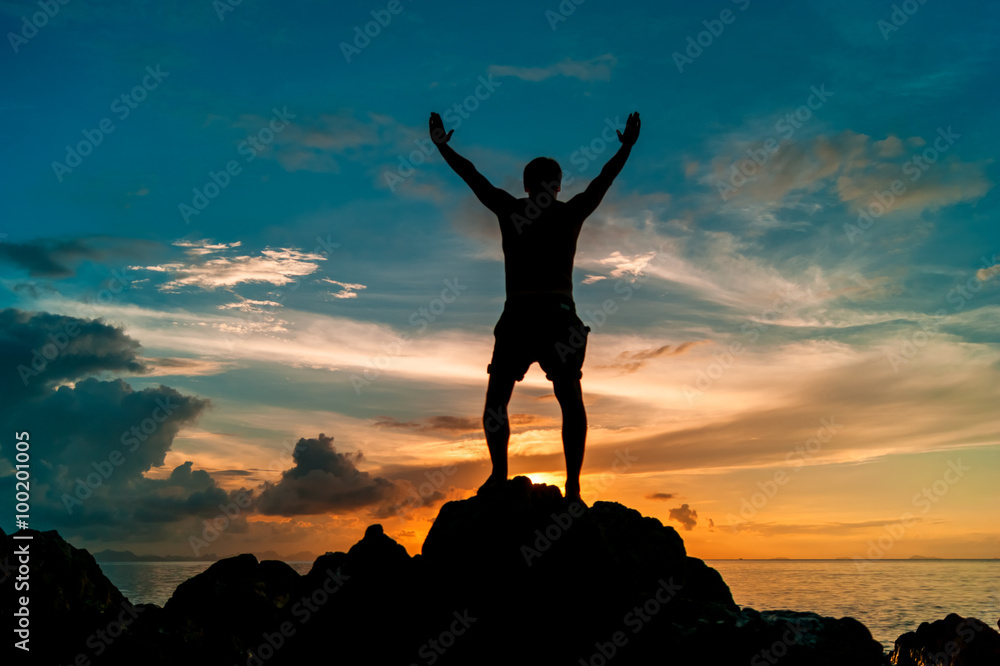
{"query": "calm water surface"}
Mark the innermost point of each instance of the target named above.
(888, 597)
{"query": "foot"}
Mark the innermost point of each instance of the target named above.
(493, 483)
(572, 490)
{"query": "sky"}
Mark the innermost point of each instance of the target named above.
(246, 306)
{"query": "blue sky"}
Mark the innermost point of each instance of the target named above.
(341, 280)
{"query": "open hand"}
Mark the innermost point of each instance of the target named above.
(631, 130)
(438, 135)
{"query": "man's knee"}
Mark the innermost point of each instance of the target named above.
(568, 391)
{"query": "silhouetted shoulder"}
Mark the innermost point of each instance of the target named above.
(520, 214)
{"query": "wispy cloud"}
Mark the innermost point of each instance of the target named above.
(596, 69)
(347, 289)
(279, 266)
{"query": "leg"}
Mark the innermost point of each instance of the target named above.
(574, 431)
(496, 425)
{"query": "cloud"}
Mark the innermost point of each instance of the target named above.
(203, 270)
(452, 424)
(94, 441)
(660, 496)
(52, 258)
(313, 144)
(633, 361)
(47, 258)
(832, 528)
(686, 516)
(596, 69)
(347, 289)
(44, 349)
(854, 168)
(188, 367)
(984, 274)
(628, 266)
(320, 143)
(204, 246)
(322, 480)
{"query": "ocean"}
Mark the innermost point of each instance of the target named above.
(890, 597)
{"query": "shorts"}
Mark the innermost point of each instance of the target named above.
(545, 330)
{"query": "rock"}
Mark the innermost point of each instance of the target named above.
(953, 641)
(516, 575)
(72, 606)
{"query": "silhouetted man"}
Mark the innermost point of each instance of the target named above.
(539, 321)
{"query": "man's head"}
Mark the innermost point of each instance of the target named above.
(542, 174)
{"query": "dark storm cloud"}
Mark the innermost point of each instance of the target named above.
(55, 258)
(323, 480)
(93, 442)
(40, 349)
(47, 258)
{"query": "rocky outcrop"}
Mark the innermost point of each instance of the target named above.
(953, 641)
(72, 607)
(519, 575)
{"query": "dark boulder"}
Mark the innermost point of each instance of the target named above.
(518, 575)
(73, 609)
(953, 641)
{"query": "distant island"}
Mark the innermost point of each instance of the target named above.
(112, 556)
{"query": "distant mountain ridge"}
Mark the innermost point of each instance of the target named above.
(109, 555)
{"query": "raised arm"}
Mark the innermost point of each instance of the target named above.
(491, 197)
(587, 201)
